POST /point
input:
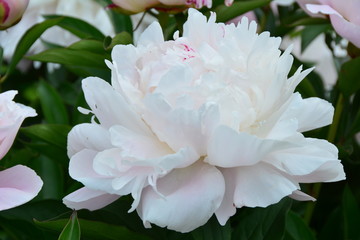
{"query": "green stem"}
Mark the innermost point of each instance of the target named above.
(331, 138)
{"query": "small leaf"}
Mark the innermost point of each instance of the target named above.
(296, 229)
(72, 229)
(349, 77)
(95, 230)
(225, 13)
(90, 45)
(311, 32)
(52, 105)
(309, 21)
(121, 38)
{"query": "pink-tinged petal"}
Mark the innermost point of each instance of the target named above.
(11, 12)
(227, 207)
(261, 185)
(346, 29)
(300, 196)
(229, 148)
(135, 6)
(18, 185)
(81, 169)
(324, 9)
(314, 160)
(229, 2)
(110, 107)
(88, 136)
(196, 125)
(190, 197)
(85, 198)
(152, 35)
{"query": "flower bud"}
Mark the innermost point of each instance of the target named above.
(11, 12)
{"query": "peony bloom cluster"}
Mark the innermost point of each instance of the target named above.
(11, 12)
(18, 184)
(344, 16)
(206, 123)
(136, 6)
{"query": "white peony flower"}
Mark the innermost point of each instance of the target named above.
(206, 123)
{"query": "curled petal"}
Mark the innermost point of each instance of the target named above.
(86, 198)
(192, 193)
(18, 185)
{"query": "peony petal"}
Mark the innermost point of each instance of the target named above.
(228, 148)
(88, 136)
(346, 29)
(324, 9)
(309, 161)
(152, 35)
(261, 185)
(110, 107)
(300, 196)
(85, 198)
(190, 197)
(18, 185)
(227, 207)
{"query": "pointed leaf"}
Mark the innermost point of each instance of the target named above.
(72, 229)
(296, 229)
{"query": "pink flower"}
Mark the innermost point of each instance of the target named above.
(18, 184)
(205, 123)
(136, 6)
(344, 16)
(11, 12)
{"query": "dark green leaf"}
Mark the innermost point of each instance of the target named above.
(78, 27)
(90, 45)
(351, 215)
(212, 230)
(296, 229)
(121, 38)
(225, 14)
(309, 33)
(95, 230)
(55, 134)
(349, 77)
(71, 57)
(309, 21)
(262, 223)
(71, 230)
(52, 105)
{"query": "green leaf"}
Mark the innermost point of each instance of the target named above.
(309, 33)
(296, 229)
(225, 13)
(91, 45)
(212, 230)
(121, 38)
(55, 134)
(78, 27)
(95, 230)
(309, 21)
(52, 105)
(349, 77)
(72, 229)
(68, 56)
(351, 215)
(262, 223)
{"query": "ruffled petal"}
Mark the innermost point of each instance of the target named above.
(18, 185)
(228, 148)
(85, 198)
(261, 185)
(190, 197)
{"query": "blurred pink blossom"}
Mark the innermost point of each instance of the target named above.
(11, 12)
(344, 16)
(18, 184)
